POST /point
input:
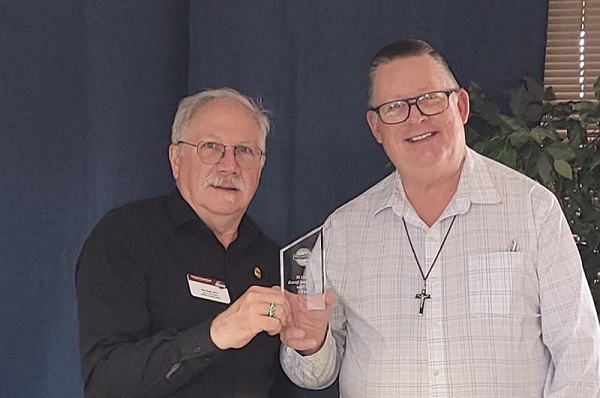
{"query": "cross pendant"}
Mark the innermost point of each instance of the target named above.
(422, 296)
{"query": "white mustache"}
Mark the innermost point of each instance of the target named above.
(214, 180)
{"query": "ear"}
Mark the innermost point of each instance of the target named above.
(174, 159)
(373, 121)
(262, 165)
(463, 105)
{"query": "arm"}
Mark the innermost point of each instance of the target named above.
(570, 326)
(123, 352)
(119, 355)
(310, 354)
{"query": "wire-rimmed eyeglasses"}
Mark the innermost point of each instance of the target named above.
(429, 104)
(246, 156)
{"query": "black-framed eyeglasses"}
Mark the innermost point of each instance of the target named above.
(209, 152)
(429, 104)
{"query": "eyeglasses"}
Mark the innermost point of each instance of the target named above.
(428, 104)
(247, 157)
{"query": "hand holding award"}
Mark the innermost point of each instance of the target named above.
(303, 281)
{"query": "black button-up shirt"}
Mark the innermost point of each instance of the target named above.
(142, 333)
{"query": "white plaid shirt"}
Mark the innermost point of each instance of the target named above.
(500, 322)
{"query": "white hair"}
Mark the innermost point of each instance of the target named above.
(190, 105)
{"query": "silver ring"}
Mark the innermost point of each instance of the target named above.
(272, 310)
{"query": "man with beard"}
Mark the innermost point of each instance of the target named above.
(174, 293)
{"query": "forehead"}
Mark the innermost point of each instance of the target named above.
(409, 77)
(225, 120)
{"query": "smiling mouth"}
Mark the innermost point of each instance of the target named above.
(420, 137)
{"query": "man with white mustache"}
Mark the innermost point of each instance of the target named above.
(175, 293)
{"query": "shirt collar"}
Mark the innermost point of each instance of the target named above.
(474, 187)
(181, 213)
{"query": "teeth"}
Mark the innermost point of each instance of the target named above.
(420, 137)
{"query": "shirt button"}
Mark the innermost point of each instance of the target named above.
(197, 350)
(436, 372)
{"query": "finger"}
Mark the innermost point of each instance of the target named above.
(277, 288)
(287, 309)
(272, 326)
(283, 316)
(279, 312)
(265, 294)
(295, 334)
(271, 310)
(302, 344)
(329, 298)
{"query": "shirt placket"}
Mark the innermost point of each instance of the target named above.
(433, 314)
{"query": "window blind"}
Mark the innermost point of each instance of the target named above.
(573, 48)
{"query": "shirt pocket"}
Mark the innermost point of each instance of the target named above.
(493, 284)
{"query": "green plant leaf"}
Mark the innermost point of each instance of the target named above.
(597, 88)
(508, 156)
(561, 151)
(535, 88)
(519, 99)
(544, 169)
(563, 168)
(519, 137)
(538, 135)
(549, 95)
(576, 135)
(507, 122)
(594, 163)
(584, 106)
(533, 113)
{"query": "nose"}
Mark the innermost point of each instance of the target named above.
(415, 115)
(228, 160)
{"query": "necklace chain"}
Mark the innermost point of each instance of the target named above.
(436, 256)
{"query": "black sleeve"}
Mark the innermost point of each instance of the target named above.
(119, 356)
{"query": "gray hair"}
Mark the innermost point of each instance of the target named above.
(190, 105)
(406, 49)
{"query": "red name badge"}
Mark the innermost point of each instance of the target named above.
(208, 288)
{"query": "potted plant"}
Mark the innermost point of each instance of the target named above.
(556, 144)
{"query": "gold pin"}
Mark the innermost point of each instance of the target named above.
(257, 273)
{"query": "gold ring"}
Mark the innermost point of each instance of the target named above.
(272, 310)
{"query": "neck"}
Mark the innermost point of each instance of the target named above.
(430, 193)
(225, 230)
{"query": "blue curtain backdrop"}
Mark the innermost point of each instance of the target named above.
(88, 90)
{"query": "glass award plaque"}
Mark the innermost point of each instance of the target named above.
(302, 268)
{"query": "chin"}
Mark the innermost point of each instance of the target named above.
(230, 198)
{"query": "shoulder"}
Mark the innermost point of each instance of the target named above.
(134, 217)
(515, 189)
(508, 180)
(369, 202)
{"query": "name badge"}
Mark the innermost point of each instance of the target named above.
(208, 288)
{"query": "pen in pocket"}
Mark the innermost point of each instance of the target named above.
(514, 246)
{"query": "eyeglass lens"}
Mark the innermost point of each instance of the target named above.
(247, 157)
(428, 104)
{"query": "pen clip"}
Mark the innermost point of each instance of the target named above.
(514, 246)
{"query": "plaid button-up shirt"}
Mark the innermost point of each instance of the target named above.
(510, 313)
